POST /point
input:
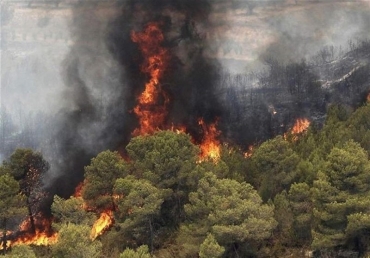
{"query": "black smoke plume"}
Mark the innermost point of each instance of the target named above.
(103, 79)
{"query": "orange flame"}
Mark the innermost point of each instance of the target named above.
(40, 238)
(152, 107)
(78, 189)
(104, 222)
(43, 234)
(210, 146)
(300, 126)
(249, 153)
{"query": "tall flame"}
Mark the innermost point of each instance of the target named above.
(104, 222)
(151, 109)
(210, 146)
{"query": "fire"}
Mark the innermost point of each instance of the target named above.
(300, 126)
(210, 146)
(104, 222)
(78, 190)
(43, 234)
(151, 109)
(40, 238)
(249, 153)
(368, 97)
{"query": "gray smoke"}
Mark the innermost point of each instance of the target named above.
(85, 106)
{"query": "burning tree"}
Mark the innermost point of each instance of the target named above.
(12, 205)
(27, 168)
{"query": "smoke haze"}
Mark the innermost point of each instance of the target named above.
(81, 81)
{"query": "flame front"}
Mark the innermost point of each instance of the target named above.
(104, 222)
(300, 126)
(210, 146)
(43, 234)
(39, 238)
(151, 109)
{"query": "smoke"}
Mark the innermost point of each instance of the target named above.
(103, 78)
(285, 31)
(92, 110)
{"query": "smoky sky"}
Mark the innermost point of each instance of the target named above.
(89, 89)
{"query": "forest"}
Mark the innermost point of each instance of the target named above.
(305, 195)
(160, 152)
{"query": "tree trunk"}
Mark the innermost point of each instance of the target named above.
(151, 235)
(32, 220)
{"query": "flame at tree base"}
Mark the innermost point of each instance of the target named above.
(39, 238)
(43, 234)
(210, 146)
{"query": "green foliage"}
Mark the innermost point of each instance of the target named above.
(301, 206)
(359, 126)
(284, 216)
(176, 207)
(100, 176)
(5, 170)
(71, 211)
(24, 160)
(74, 241)
(167, 159)
(12, 204)
(232, 211)
(276, 165)
(138, 208)
(339, 193)
(137, 198)
(27, 167)
(210, 248)
(21, 251)
(236, 163)
(140, 252)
